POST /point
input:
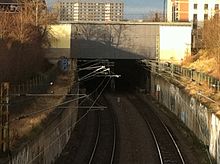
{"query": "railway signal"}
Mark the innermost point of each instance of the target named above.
(63, 64)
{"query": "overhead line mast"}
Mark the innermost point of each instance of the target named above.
(4, 117)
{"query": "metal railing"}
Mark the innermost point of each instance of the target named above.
(178, 71)
(35, 84)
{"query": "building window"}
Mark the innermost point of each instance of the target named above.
(216, 16)
(195, 6)
(177, 15)
(194, 17)
(205, 16)
(206, 6)
(216, 6)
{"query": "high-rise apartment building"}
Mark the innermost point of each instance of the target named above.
(90, 10)
(192, 10)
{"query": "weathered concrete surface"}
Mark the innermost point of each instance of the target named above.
(196, 116)
(60, 42)
(51, 135)
(147, 40)
(121, 40)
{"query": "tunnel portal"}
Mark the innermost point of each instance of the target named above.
(124, 75)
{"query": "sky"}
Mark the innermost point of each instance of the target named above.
(142, 6)
(136, 8)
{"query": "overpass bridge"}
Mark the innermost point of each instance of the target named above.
(121, 40)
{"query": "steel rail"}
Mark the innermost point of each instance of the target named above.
(156, 138)
(114, 139)
(98, 136)
(174, 142)
(97, 140)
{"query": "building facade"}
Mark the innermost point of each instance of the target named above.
(90, 10)
(191, 10)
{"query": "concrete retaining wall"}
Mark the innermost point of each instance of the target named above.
(49, 144)
(196, 116)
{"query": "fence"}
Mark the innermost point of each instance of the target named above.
(199, 77)
(178, 71)
(36, 84)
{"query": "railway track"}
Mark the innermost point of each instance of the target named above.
(136, 135)
(94, 139)
(167, 147)
(106, 138)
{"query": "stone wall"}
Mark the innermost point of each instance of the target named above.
(196, 116)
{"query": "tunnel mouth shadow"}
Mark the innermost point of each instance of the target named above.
(88, 49)
(132, 76)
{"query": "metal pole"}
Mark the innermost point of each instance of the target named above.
(172, 69)
(164, 10)
(4, 117)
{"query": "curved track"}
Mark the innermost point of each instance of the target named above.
(106, 135)
(168, 150)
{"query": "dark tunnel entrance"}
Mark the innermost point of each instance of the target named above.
(133, 75)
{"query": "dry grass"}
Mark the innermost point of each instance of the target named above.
(187, 60)
(202, 62)
(26, 126)
(208, 95)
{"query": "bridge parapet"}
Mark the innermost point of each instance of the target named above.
(128, 40)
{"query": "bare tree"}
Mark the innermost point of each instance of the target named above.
(211, 39)
(107, 34)
(119, 33)
(89, 32)
(23, 35)
(154, 16)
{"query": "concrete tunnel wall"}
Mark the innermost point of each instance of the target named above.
(148, 40)
(114, 41)
(196, 116)
(60, 42)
